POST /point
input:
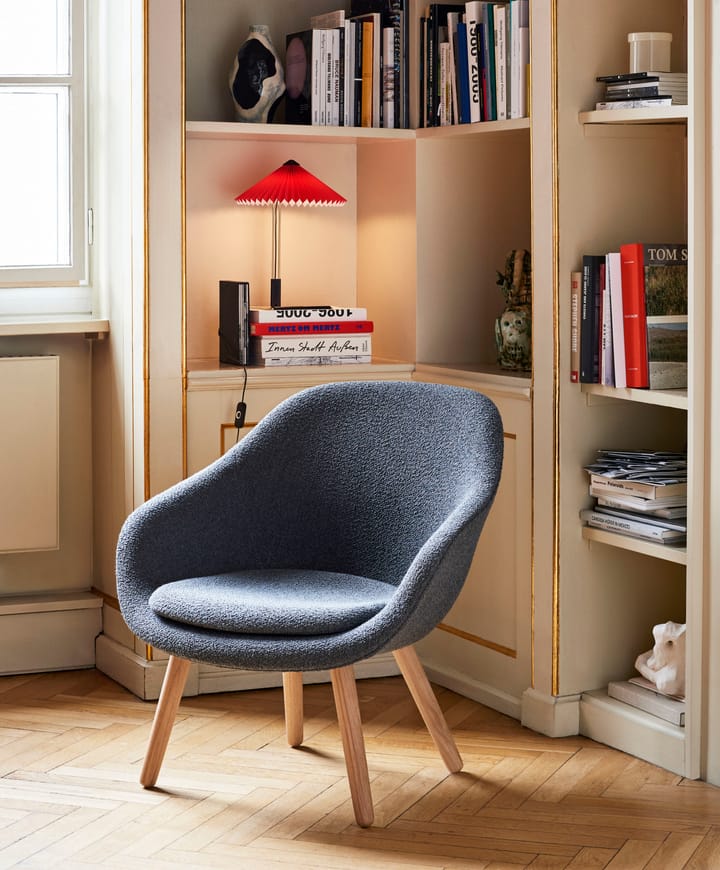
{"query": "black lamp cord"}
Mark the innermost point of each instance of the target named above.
(241, 408)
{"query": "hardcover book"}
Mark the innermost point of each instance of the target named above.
(298, 77)
(640, 693)
(285, 313)
(667, 348)
(575, 289)
(590, 302)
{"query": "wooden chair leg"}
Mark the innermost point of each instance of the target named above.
(348, 712)
(427, 704)
(293, 699)
(170, 694)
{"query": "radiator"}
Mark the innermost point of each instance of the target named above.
(29, 453)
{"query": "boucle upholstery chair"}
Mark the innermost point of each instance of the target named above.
(342, 526)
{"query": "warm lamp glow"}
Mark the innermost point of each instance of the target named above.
(290, 185)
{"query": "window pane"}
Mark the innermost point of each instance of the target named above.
(34, 37)
(34, 177)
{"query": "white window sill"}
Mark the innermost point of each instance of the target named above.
(90, 327)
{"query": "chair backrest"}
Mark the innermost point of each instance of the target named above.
(358, 476)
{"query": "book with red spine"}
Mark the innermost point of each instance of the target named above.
(632, 260)
(314, 327)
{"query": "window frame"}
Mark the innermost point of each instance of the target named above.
(56, 289)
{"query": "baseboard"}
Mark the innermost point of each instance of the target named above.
(50, 632)
(144, 678)
(473, 689)
(630, 730)
(554, 716)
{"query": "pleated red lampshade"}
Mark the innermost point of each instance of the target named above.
(289, 185)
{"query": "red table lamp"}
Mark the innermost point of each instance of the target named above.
(288, 185)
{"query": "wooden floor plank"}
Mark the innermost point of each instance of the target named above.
(231, 793)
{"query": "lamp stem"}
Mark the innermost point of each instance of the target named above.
(275, 293)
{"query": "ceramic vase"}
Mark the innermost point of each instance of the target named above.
(257, 80)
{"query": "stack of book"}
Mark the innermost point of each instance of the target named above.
(643, 90)
(313, 335)
(350, 69)
(474, 60)
(629, 317)
(642, 494)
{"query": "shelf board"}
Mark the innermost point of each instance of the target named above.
(661, 115)
(297, 132)
(664, 398)
(668, 552)
(342, 135)
(480, 374)
(209, 374)
(481, 128)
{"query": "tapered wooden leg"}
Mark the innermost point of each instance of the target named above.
(293, 698)
(427, 704)
(170, 694)
(348, 712)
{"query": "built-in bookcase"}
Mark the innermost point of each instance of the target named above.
(430, 218)
(627, 176)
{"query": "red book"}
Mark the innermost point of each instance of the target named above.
(632, 270)
(304, 327)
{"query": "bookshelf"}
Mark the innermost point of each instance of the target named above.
(553, 612)
(624, 175)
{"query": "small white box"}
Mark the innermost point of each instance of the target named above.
(650, 50)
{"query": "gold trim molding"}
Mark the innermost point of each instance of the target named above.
(480, 641)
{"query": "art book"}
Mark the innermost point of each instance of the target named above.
(654, 283)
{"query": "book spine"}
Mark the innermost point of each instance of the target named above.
(317, 100)
(309, 313)
(633, 104)
(614, 279)
(388, 77)
(633, 297)
(463, 75)
(589, 326)
(575, 290)
(473, 20)
(312, 360)
(489, 47)
(607, 372)
(366, 119)
(500, 31)
(453, 19)
(301, 346)
(633, 487)
(312, 327)
(628, 527)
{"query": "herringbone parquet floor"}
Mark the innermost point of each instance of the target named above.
(232, 794)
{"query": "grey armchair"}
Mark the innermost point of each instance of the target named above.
(342, 526)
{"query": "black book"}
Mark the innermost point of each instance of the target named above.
(437, 30)
(590, 300)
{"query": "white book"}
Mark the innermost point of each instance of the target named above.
(388, 77)
(314, 360)
(500, 20)
(640, 693)
(473, 21)
(444, 108)
(314, 345)
(632, 528)
(317, 78)
(291, 313)
(519, 56)
(334, 66)
(607, 369)
(613, 277)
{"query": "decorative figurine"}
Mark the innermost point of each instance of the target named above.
(513, 329)
(257, 80)
(664, 664)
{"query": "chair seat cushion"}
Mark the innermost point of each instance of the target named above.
(276, 602)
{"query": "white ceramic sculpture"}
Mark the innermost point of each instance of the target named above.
(664, 664)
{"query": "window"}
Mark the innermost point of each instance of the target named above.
(43, 236)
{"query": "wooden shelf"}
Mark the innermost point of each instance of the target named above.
(342, 135)
(663, 398)
(294, 132)
(479, 374)
(669, 553)
(661, 115)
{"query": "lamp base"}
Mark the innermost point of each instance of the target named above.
(275, 294)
